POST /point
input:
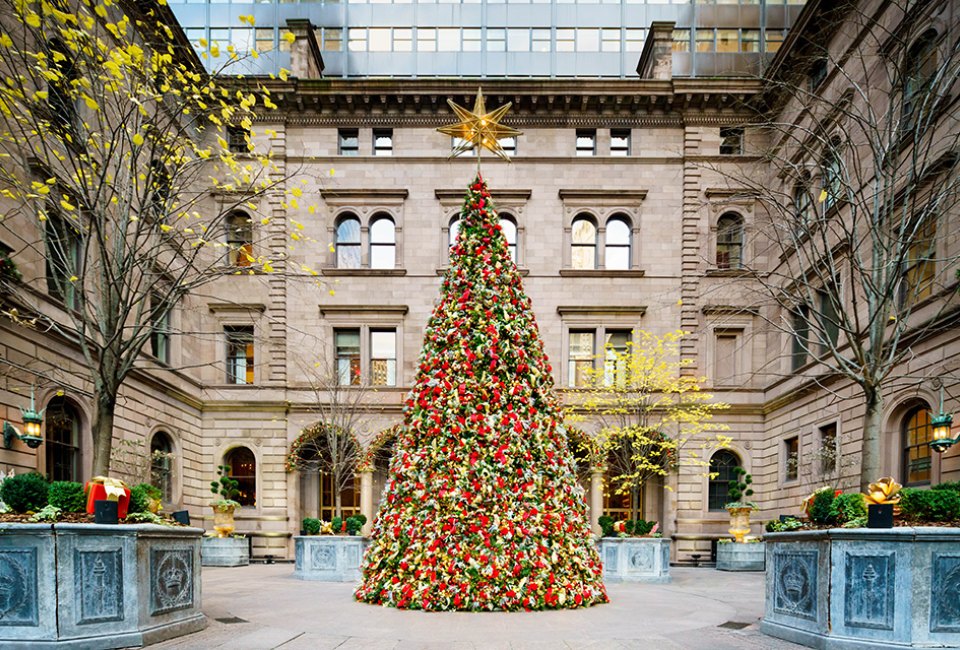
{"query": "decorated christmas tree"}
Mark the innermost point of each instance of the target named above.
(482, 509)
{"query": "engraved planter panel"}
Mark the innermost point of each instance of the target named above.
(880, 588)
(225, 551)
(331, 558)
(86, 585)
(635, 559)
(741, 557)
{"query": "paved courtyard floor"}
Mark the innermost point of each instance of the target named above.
(263, 606)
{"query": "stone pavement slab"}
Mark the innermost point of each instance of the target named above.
(263, 606)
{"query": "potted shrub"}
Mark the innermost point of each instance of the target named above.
(226, 488)
(739, 507)
(633, 551)
(330, 551)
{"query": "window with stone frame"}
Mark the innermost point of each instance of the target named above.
(730, 241)
(617, 244)
(917, 283)
(584, 243)
(722, 466)
(240, 239)
(619, 142)
(243, 470)
(916, 434)
(581, 355)
(237, 138)
(383, 357)
(800, 336)
(586, 142)
(791, 458)
(348, 242)
(829, 448)
(348, 142)
(383, 142)
(383, 242)
(920, 70)
(731, 141)
(64, 257)
(831, 175)
(62, 440)
(726, 357)
(615, 361)
(347, 354)
(161, 464)
(240, 353)
(160, 328)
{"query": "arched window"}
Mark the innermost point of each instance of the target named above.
(383, 243)
(454, 230)
(831, 175)
(916, 434)
(240, 239)
(243, 469)
(62, 440)
(348, 243)
(509, 227)
(617, 250)
(722, 464)
(584, 241)
(161, 464)
(920, 68)
(729, 241)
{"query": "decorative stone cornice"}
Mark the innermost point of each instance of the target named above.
(604, 310)
(455, 196)
(326, 310)
(236, 307)
(730, 310)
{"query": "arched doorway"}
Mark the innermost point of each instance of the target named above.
(62, 440)
(326, 458)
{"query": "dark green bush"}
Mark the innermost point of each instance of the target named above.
(337, 524)
(310, 525)
(606, 525)
(138, 500)
(950, 485)
(362, 518)
(25, 492)
(354, 524)
(68, 496)
(642, 527)
(847, 507)
(930, 505)
(821, 510)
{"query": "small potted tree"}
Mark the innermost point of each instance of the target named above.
(739, 554)
(224, 548)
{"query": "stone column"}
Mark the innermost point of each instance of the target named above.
(596, 500)
(366, 500)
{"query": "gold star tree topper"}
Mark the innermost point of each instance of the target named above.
(478, 128)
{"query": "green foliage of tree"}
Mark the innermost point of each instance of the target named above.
(225, 487)
(653, 417)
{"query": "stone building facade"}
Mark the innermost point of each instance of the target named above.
(623, 216)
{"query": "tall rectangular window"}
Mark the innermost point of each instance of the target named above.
(619, 142)
(383, 357)
(829, 322)
(791, 452)
(383, 142)
(725, 363)
(347, 344)
(239, 353)
(615, 359)
(829, 452)
(586, 142)
(349, 142)
(160, 329)
(63, 257)
(237, 137)
(731, 141)
(580, 356)
(800, 323)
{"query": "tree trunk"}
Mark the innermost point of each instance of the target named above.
(871, 461)
(337, 502)
(102, 431)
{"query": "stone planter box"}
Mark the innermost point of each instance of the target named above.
(741, 557)
(635, 559)
(331, 558)
(89, 586)
(225, 551)
(864, 588)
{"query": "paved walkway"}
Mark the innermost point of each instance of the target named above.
(263, 606)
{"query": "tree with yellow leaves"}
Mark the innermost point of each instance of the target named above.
(652, 418)
(123, 164)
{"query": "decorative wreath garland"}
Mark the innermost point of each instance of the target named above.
(306, 435)
(379, 441)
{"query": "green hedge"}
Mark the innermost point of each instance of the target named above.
(930, 505)
(25, 492)
(68, 496)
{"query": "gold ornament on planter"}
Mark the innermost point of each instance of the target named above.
(886, 490)
(739, 507)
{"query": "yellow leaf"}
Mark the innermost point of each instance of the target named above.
(33, 20)
(289, 37)
(5, 41)
(91, 102)
(823, 196)
(137, 139)
(297, 192)
(73, 278)
(283, 74)
(165, 228)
